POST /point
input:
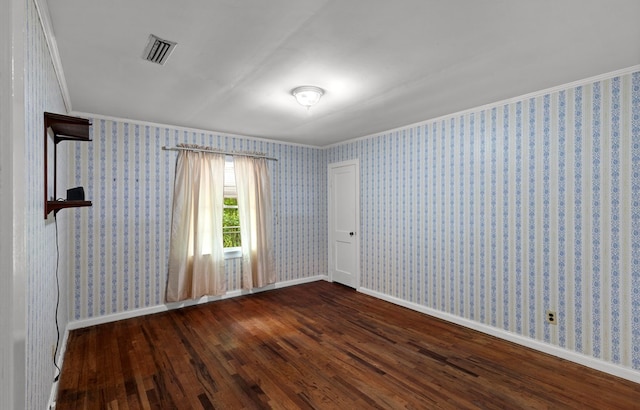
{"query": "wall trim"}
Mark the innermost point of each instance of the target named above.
(534, 94)
(47, 27)
(188, 129)
(597, 364)
(79, 324)
(53, 396)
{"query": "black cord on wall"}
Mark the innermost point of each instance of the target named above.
(55, 353)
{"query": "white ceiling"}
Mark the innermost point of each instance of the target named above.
(383, 63)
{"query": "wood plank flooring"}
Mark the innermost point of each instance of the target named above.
(318, 346)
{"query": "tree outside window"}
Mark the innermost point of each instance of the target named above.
(230, 215)
(231, 223)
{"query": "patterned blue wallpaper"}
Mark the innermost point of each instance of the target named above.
(494, 215)
(42, 93)
(120, 244)
(498, 214)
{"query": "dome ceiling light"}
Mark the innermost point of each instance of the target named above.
(307, 95)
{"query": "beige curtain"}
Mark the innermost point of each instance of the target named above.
(196, 255)
(253, 184)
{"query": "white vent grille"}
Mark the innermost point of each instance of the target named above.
(158, 50)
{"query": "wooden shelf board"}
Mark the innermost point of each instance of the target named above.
(58, 205)
(68, 128)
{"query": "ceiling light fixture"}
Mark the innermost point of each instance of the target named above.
(307, 95)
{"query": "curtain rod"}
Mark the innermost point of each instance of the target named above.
(241, 154)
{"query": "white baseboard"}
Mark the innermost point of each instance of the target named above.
(53, 396)
(594, 363)
(79, 324)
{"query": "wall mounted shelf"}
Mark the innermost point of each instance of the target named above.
(63, 128)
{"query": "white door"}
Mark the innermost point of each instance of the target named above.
(344, 221)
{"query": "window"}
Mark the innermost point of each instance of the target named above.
(195, 271)
(230, 217)
(230, 223)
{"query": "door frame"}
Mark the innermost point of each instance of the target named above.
(331, 216)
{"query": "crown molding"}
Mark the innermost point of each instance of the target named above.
(489, 106)
(95, 116)
(45, 21)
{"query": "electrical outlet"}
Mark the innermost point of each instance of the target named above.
(551, 317)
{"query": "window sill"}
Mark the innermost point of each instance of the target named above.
(232, 253)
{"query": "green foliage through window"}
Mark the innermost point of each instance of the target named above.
(231, 223)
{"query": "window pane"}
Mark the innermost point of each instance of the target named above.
(230, 224)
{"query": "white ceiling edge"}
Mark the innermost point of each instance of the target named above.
(188, 129)
(535, 94)
(45, 21)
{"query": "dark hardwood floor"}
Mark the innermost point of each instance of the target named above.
(318, 345)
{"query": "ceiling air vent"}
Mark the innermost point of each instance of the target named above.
(158, 50)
